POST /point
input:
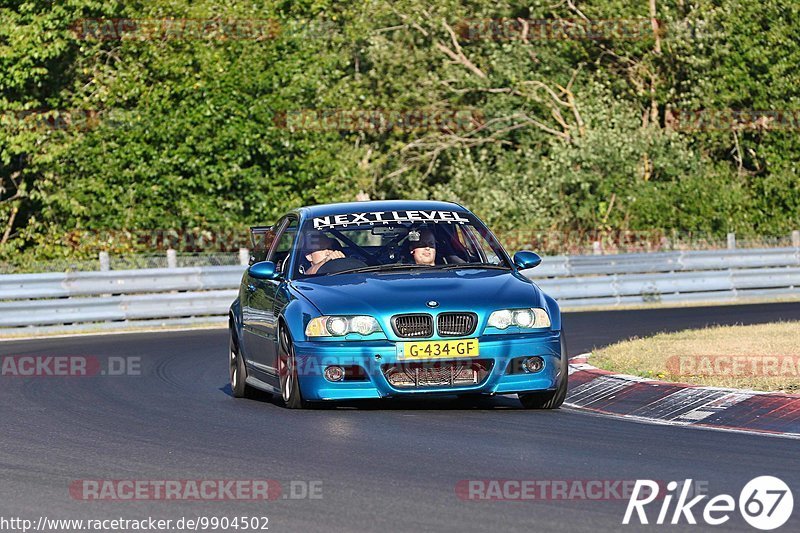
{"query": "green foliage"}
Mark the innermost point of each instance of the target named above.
(185, 130)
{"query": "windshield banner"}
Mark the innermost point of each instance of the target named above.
(388, 217)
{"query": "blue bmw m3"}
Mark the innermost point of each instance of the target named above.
(392, 299)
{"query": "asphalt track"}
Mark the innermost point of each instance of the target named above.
(384, 466)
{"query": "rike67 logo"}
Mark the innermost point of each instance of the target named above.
(765, 503)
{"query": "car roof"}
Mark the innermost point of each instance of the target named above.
(378, 205)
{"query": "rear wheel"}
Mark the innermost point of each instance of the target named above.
(287, 370)
(550, 399)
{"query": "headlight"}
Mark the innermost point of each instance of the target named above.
(523, 318)
(338, 326)
(363, 325)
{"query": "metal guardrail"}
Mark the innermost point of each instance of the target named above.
(672, 287)
(58, 285)
(204, 293)
(667, 262)
(696, 276)
(121, 308)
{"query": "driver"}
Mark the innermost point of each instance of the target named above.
(423, 249)
(320, 250)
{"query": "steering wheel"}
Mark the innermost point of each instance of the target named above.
(339, 264)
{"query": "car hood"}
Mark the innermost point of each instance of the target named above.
(407, 292)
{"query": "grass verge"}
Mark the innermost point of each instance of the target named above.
(763, 357)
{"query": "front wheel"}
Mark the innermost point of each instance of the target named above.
(287, 370)
(550, 399)
(238, 373)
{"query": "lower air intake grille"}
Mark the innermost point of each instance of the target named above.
(437, 374)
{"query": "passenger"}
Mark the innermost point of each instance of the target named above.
(423, 250)
(320, 250)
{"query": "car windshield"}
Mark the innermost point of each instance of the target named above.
(396, 240)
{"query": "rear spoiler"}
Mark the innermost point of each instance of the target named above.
(256, 232)
(260, 246)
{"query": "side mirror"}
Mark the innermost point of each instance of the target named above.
(525, 260)
(263, 270)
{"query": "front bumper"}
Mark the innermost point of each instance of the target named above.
(374, 356)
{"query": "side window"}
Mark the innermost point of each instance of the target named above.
(282, 250)
(464, 246)
(262, 239)
(482, 245)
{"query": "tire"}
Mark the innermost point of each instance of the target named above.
(287, 372)
(238, 372)
(550, 399)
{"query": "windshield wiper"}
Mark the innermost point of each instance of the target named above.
(380, 268)
(406, 266)
(453, 266)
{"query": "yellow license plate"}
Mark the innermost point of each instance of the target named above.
(438, 349)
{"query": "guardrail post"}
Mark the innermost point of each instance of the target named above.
(105, 262)
(731, 241)
(244, 256)
(172, 258)
(597, 248)
(796, 238)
